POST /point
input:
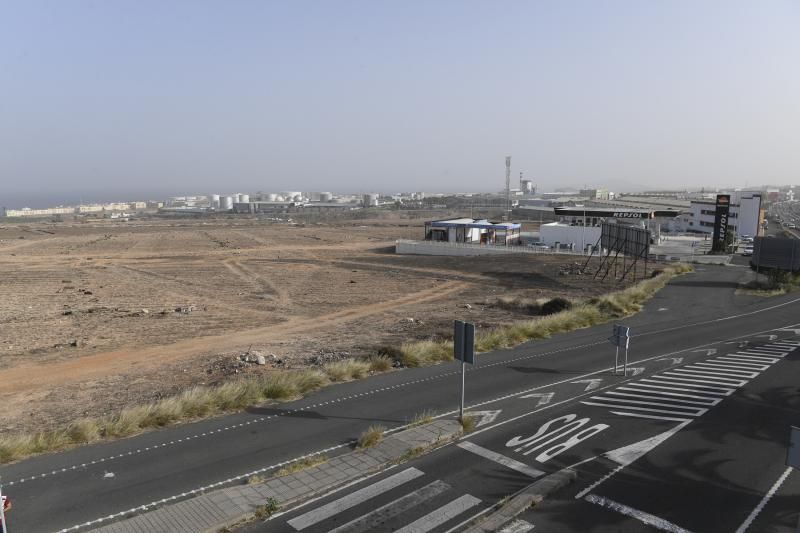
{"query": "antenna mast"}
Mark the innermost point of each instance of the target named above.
(508, 187)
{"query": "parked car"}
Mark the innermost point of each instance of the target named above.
(748, 250)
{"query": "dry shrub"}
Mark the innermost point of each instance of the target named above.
(346, 370)
(302, 464)
(380, 363)
(371, 437)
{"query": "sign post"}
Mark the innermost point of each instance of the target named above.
(464, 351)
(3, 500)
(620, 335)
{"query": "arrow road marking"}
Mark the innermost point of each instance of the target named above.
(795, 331)
(770, 337)
(592, 383)
(675, 360)
(637, 370)
(544, 397)
(709, 351)
(486, 417)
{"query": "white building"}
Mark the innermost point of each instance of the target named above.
(746, 216)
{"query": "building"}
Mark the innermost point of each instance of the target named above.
(579, 227)
(28, 212)
(594, 194)
(473, 231)
(746, 216)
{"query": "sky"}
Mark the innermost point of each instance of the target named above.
(135, 99)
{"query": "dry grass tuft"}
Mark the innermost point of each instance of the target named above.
(380, 363)
(197, 402)
(425, 417)
(468, 423)
(371, 437)
(302, 464)
(346, 370)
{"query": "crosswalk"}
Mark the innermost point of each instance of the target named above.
(415, 505)
(685, 393)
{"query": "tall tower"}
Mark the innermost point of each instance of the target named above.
(508, 187)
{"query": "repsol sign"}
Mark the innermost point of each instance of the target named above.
(721, 216)
(626, 214)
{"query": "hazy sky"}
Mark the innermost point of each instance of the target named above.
(142, 97)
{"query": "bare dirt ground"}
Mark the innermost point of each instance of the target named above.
(98, 316)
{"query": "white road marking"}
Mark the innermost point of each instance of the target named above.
(670, 387)
(767, 497)
(648, 409)
(517, 526)
(646, 518)
(441, 515)
(368, 522)
(688, 376)
(795, 331)
(636, 370)
(662, 398)
(650, 417)
(709, 351)
(500, 459)
(753, 358)
(354, 498)
(675, 360)
(643, 387)
(485, 417)
(591, 383)
(108, 475)
(770, 337)
(628, 454)
(544, 397)
(735, 363)
(717, 367)
(718, 373)
(669, 380)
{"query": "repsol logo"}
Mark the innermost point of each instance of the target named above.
(623, 214)
(723, 227)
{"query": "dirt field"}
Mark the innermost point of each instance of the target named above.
(97, 316)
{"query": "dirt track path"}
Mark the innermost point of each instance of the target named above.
(32, 378)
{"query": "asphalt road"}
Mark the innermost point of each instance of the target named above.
(67, 490)
(695, 442)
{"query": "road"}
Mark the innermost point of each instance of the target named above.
(67, 490)
(696, 445)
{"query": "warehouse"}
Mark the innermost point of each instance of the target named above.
(473, 231)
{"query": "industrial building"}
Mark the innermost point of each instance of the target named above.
(578, 228)
(473, 231)
(746, 215)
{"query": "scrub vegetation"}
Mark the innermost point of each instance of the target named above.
(203, 401)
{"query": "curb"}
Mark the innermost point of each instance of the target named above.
(523, 500)
(234, 505)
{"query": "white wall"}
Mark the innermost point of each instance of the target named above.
(578, 235)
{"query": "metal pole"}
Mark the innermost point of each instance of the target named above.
(616, 359)
(463, 373)
(627, 341)
(2, 512)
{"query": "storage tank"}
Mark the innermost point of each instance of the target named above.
(325, 197)
(215, 201)
(272, 197)
(226, 203)
(370, 200)
(244, 198)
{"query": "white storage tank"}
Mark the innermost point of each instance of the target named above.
(272, 197)
(370, 200)
(244, 198)
(226, 203)
(325, 197)
(214, 201)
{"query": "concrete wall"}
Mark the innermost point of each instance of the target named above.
(461, 249)
(578, 235)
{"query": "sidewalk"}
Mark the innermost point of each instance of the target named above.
(225, 507)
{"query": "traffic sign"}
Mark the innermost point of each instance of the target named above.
(793, 453)
(464, 342)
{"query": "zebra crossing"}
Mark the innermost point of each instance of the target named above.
(421, 504)
(684, 393)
